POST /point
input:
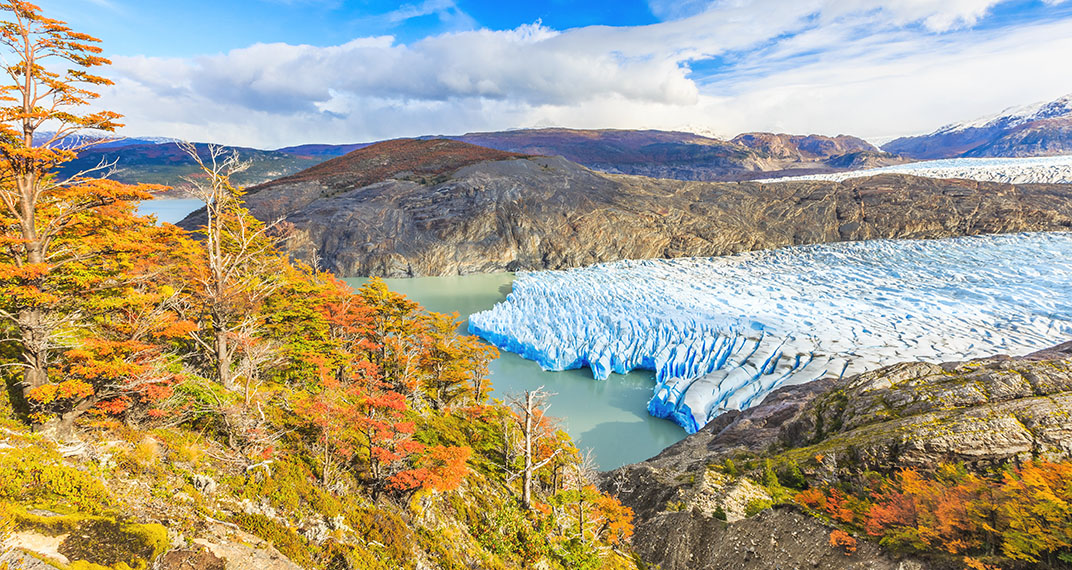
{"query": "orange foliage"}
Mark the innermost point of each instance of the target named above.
(842, 540)
(1026, 512)
(617, 519)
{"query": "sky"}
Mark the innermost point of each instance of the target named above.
(275, 73)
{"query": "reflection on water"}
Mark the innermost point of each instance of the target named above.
(607, 416)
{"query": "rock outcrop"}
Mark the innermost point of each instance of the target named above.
(982, 413)
(442, 207)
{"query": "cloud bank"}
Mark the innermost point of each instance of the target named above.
(867, 67)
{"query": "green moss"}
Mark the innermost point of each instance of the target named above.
(36, 475)
(675, 506)
(756, 506)
(790, 475)
(387, 530)
(98, 541)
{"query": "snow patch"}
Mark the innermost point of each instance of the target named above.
(1014, 116)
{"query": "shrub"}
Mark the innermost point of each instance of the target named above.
(843, 541)
(33, 475)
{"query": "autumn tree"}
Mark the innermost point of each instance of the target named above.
(122, 356)
(50, 84)
(457, 365)
(240, 266)
(1035, 506)
(398, 333)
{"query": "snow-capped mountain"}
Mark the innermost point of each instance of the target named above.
(1014, 116)
(1040, 129)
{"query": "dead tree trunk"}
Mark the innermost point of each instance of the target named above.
(531, 418)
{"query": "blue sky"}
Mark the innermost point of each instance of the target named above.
(272, 73)
(194, 27)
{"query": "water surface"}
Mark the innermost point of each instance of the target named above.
(169, 210)
(608, 416)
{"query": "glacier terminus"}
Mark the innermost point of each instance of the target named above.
(721, 333)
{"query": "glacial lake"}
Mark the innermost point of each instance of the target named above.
(169, 210)
(608, 416)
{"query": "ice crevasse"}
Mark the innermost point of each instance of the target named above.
(721, 333)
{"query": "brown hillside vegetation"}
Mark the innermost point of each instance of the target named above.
(411, 158)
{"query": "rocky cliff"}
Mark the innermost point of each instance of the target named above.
(983, 414)
(442, 207)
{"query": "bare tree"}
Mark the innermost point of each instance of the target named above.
(241, 262)
(531, 413)
(584, 471)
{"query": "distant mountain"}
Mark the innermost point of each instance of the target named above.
(324, 151)
(165, 163)
(1042, 129)
(657, 154)
(803, 148)
(99, 139)
(440, 207)
(688, 156)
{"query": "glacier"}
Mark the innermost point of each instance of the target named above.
(1031, 170)
(721, 333)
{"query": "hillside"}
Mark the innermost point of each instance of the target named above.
(829, 457)
(167, 164)
(686, 156)
(449, 213)
(662, 154)
(1042, 129)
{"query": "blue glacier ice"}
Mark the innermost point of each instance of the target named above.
(721, 333)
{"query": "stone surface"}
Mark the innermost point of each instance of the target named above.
(548, 213)
(195, 558)
(984, 413)
(242, 551)
(781, 538)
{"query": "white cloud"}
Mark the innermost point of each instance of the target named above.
(855, 66)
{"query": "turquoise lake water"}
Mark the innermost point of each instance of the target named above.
(608, 416)
(170, 210)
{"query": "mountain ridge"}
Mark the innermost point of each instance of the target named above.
(1039, 129)
(534, 212)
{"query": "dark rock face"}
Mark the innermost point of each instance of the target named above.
(778, 538)
(462, 210)
(802, 147)
(1049, 137)
(984, 413)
